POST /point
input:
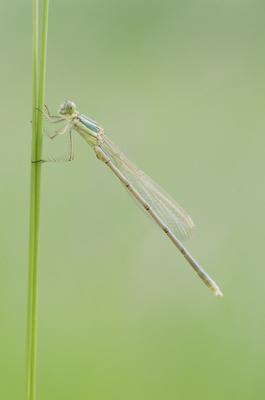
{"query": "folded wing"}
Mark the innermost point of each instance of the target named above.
(174, 216)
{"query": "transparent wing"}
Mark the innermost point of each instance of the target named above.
(177, 220)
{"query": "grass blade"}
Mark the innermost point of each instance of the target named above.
(35, 188)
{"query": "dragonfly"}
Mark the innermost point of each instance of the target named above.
(166, 213)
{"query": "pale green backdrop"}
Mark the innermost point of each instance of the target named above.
(179, 85)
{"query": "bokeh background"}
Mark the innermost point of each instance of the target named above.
(179, 86)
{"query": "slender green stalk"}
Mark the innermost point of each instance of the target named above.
(35, 186)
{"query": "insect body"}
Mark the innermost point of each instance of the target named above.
(169, 216)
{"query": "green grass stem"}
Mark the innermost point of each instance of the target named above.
(39, 70)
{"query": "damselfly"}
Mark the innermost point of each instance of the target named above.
(171, 218)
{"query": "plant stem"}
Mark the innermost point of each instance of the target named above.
(35, 186)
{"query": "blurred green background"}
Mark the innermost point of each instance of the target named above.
(179, 86)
